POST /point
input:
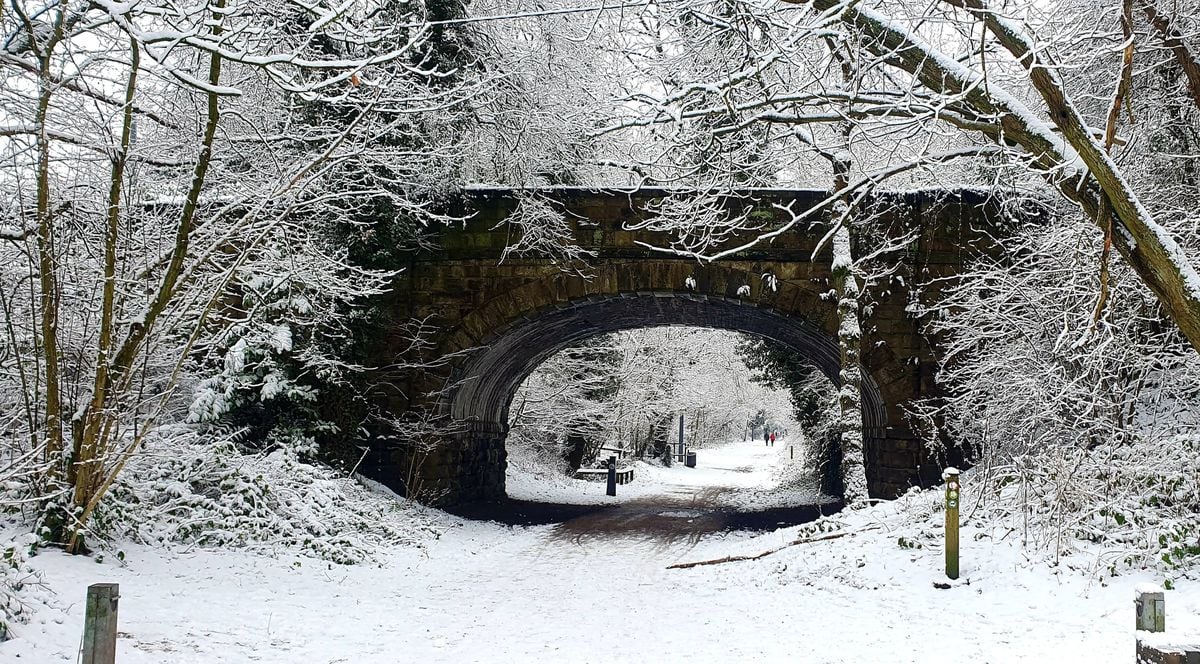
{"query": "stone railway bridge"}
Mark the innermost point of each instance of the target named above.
(496, 320)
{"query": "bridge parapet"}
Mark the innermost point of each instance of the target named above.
(613, 223)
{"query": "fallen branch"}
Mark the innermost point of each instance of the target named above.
(764, 554)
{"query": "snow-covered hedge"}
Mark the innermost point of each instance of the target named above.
(16, 576)
(1080, 414)
(1112, 503)
(192, 491)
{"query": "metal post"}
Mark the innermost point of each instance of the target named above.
(100, 624)
(952, 500)
(791, 452)
(612, 475)
(681, 436)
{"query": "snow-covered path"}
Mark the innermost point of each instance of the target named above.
(730, 489)
(485, 592)
(735, 486)
(741, 475)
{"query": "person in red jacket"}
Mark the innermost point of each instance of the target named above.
(772, 439)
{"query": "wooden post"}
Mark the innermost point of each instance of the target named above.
(791, 452)
(952, 500)
(612, 475)
(100, 624)
(1151, 607)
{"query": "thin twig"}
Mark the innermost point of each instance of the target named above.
(764, 554)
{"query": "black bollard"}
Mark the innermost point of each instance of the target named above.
(612, 475)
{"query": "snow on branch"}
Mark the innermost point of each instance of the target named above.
(543, 230)
(697, 222)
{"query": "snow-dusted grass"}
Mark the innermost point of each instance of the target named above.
(489, 593)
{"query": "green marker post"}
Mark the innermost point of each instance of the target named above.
(950, 475)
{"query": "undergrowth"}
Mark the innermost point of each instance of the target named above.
(186, 490)
(1129, 506)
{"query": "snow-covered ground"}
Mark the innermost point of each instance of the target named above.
(484, 592)
(743, 474)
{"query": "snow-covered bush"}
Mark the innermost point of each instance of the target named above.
(186, 490)
(1082, 424)
(276, 345)
(540, 464)
(15, 577)
(1131, 506)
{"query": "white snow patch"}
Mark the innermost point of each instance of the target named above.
(745, 475)
(489, 593)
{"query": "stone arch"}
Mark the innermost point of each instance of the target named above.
(472, 298)
(485, 384)
(510, 335)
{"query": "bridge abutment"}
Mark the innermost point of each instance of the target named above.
(467, 466)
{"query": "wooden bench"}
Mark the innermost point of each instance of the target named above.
(1161, 649)
(617, 451)
(624, 475)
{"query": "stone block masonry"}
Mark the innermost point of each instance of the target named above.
(497, 320)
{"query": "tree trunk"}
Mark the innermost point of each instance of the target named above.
(575, 451)
(845, 284)
(1174, 41)
(94, 477)
(48, 301)
(90, 444)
